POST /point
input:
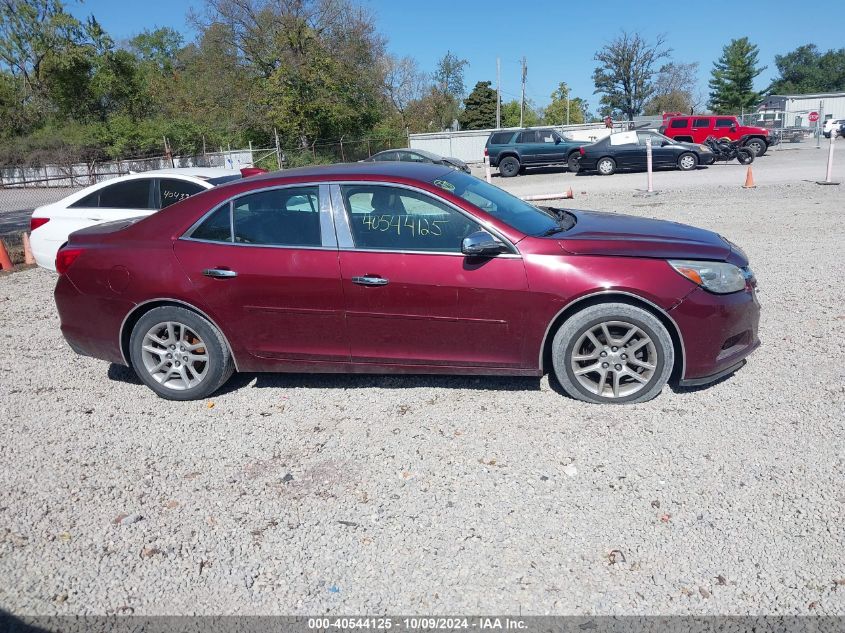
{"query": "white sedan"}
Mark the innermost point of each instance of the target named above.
(129, 196)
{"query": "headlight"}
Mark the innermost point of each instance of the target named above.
(704, 148)
(717, 277)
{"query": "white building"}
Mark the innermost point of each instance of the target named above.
(794, 110)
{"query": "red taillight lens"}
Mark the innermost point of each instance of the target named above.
(486, 153)
(65, 258)
(581, 151)
(34, 223)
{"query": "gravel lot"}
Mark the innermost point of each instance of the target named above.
(350, 494)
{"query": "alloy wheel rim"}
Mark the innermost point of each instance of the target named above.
(614, 359)
(174, 355)
(687, 162)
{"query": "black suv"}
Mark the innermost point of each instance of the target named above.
(514, 150)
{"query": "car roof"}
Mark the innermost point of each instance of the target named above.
(199, 172)
(415, 171)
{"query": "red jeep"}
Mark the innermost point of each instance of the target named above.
(695, 129)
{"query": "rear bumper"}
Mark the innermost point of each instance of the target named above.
(719, 332)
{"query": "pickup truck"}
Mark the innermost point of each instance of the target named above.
(514, 150)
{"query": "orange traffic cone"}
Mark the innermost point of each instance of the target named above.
(5, 262)
(569, 193)
(749, 179)
(28, 258)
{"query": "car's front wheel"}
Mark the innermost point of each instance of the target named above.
(179, 354)
(613, 353)
(687, 161)
(509, 167)
(606, 166)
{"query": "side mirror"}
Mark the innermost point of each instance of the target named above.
(733, 128)
(481, 244)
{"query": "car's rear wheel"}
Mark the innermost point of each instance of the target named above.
(757, 146)
(574, 162)
(613, 353)
(687, 161)
(179, 354)
(606, 166)
(509, 167)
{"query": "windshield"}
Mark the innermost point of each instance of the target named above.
(500, 204)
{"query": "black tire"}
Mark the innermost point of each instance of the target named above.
(687, 161)
(509, 167)
(574, 162)
(215, 371)
(609, 167)
(757, 146)
(660, 350)
(745, 156)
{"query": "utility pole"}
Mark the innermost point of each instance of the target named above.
(498, 93)
(522, 101)
(567, 105)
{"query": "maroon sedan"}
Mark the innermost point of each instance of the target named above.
(404, 268)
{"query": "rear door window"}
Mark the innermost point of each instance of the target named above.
(278, 217)
(701, 123)
(130, 194)
(528, 136)
(217, 227)
(678, 123)
(172, 191)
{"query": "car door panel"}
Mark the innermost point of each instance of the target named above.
(430, 308)
(282, 302)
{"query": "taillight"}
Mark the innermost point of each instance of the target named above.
(581, 150)
(34, 223)
(65, 258)
(486, 153)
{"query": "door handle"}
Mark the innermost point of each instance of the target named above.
(370, 280)
(219, 273)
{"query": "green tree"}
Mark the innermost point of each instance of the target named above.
(479, 108)
(807, 70)
(625, 73)
(510, 114)
(556, 112)
(732, 82)
(449, 75)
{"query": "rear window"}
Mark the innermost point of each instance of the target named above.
(676, 123)
(500, 138)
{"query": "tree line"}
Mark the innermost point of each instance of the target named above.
(311, 71)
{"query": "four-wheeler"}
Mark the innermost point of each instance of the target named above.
(514, 150)
(696, 129)
(627, 150)
(405, 268)
(117, 199)
(417, 156)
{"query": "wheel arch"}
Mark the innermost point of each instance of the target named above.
(141, 309)
(614, 296)
(510, 153)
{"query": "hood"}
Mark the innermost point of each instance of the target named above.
(600, 233)
(698, 147)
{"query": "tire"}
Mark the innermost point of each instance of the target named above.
(745, 156)
(509, 167)
(167, 326)
(757, 146)
(687, 161)
(574, 162)
(653, 354)
(606, 166)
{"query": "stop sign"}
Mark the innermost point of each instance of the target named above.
(814, 116)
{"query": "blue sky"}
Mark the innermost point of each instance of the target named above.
(558, 38)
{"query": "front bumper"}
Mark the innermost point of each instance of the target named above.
(718, 331)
